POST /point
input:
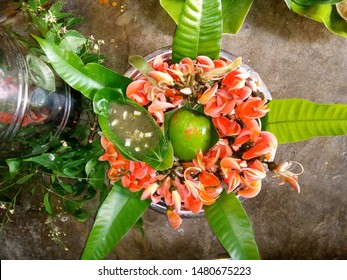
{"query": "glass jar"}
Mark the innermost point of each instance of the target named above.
(31, 118)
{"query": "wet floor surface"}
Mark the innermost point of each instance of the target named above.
(295, 57)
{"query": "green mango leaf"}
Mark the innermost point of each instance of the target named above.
(116, 216)
(87, 79)
(232, 226)
(316, 2)
(132, 129)
(234, 12)
(173, 8)
(324, 13)
(199, 30)
(292, 120)
(289, 3)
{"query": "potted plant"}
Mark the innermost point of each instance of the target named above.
(242, 147)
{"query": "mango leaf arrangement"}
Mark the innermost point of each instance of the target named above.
(194, 132)
(234, 13)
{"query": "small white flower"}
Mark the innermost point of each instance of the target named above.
(51, 157)
(63, 30)
(50, 18)
(64, 143)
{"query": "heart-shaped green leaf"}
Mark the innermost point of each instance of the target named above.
(116, 216)
(132, 129)
(232, 226)
(199, 30)
(298, 119)
(87, 79)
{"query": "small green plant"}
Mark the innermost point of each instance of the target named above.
(68, 170)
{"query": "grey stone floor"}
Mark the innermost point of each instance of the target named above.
(296, 57)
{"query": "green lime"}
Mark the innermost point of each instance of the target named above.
(189, 132)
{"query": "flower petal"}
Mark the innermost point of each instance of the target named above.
(174, 219)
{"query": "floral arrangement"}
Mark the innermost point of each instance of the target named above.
(231, 106)
(194, 132)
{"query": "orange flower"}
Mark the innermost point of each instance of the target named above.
(162, 78)
(241, 93)
(140, 174)
(231, 170)
(254, 172)
(250, 189)
(252, 108)
(235, 79)
(208, 94)
(265, 146)
(285, 172)
(151, 192)
(242, 138)
(249, 112)
(157, 109)
(205, 63)
(226, 126)
(197, 195)
(158, 63)
(136, 92)
(119, 165)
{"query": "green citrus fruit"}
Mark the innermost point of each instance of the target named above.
(189, 132)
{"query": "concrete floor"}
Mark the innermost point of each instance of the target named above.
(296, 57)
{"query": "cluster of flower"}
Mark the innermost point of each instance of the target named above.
(236, 163)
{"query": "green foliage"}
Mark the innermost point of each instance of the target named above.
(321, 11)
(132, 129)
(234, 12)
(316, 2)
(232, 226)
(69, 172)
(199, 30)
(85, 78)
(75, 173)
(298, 119)
(117, 215)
